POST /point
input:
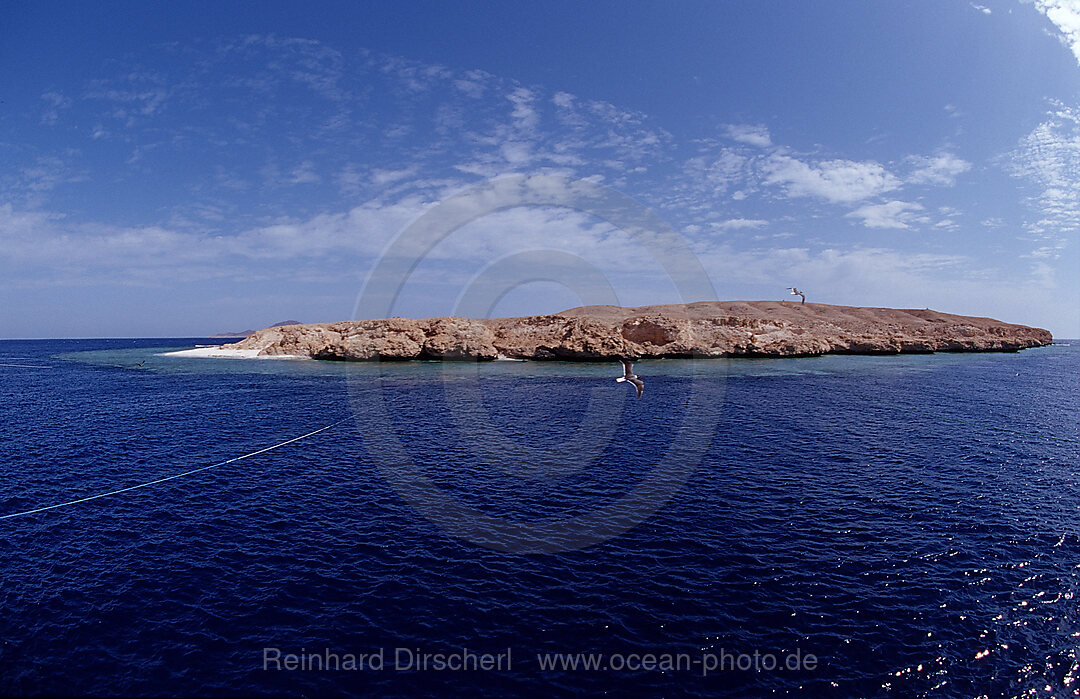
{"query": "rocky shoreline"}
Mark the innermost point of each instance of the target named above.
(602, 333)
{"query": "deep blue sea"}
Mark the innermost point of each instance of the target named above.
(912, 523)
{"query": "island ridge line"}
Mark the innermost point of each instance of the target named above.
(602, 333)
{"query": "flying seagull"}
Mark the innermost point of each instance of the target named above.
(629, 375)
(796, 292)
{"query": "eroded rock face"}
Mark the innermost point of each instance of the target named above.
(706, 329)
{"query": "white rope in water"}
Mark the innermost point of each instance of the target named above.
(174, 477)
(26, 366)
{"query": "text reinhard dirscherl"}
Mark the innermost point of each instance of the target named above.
(467, 660)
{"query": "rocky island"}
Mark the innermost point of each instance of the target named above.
(600, 333)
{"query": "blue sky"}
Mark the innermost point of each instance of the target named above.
(193, 168)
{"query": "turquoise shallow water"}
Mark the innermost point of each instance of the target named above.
(909, 520)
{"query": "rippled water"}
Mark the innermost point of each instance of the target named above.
(912, 522)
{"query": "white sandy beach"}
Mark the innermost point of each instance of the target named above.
(225, 353)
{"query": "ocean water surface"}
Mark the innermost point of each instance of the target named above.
(912, 523)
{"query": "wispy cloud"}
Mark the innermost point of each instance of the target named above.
(298, 157)
(1049, 159)
(132, 97)
(524, 115)
(384, 177)
(55, 102)
(295, 113)
(734, 224)
(754, 135)
(473, 83)
(304, 173)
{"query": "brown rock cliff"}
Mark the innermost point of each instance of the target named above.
(705, 329)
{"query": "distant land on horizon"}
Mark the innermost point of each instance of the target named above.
(249, 333)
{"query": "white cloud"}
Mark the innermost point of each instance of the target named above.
(941, 169)
(893, 214)
(837, 181)
(516, 152)
(754, 135)
(981, 8)
(153, 254)
(109, 253)
(740, 223)
(1065, 14)
(567, 111)
(304, 173)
